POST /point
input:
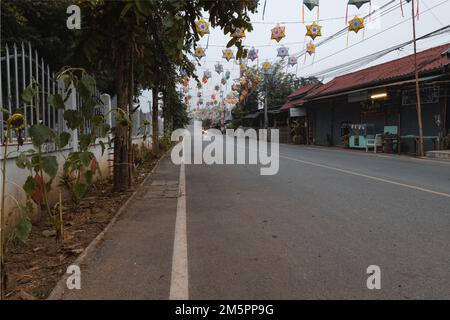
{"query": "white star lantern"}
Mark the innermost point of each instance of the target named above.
(283, 52)
(252, 54)
(292, 61)
(219, 68)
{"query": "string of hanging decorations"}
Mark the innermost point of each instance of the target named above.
(248, 78)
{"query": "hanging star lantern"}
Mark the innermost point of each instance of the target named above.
(292, 61)
(266, 66)
(314, 30)
(242, 67)
(356, 24)
(252, 54)
(238, 33)
(219, 68)
(278, 33)
(283, 52)
(310, 48)
(200, 52)
(207, 74)
(202, 27)
(228, 54)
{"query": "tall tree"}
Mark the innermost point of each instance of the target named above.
(154, 35)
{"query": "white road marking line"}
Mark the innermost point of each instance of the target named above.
(366, 176)
(179, 283)
(372, 154)
(369, 177)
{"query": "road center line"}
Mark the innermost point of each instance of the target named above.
(368, 177)
(179, 279)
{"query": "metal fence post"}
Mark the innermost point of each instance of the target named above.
(106, 99)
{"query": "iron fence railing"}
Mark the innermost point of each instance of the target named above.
(19, 66)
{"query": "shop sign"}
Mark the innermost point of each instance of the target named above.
(297, 112)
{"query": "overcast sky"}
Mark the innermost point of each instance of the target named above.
(387, 31)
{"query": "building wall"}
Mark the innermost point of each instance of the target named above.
(329, 115)
(321, 115)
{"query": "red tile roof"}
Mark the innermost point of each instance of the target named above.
(299, 94)
(302, 90)
(427, 61)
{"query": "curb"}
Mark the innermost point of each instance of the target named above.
(60, 287)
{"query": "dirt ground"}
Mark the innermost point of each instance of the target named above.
(33, 268)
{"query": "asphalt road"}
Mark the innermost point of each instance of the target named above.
(312, 230)
(308, 232)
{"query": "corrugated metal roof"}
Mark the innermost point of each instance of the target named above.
(427, 61)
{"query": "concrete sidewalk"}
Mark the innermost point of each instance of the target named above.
(135, 258)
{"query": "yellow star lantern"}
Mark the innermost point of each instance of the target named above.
(266, 66)
(228, 54)
(356, 24)
(238, 33)
(202, 27)
(278, 33)
(200, 52)
(310, 48)
(314, 30)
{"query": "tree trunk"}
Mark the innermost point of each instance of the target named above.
(122, 178)
(167, 115)
(155, 131)
(131, 167)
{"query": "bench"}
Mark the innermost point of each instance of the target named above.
(374, 143)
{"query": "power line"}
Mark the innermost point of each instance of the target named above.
(378, 33)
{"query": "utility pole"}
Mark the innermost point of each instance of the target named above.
(266, 117)
(418, 102)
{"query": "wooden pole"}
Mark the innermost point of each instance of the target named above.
(418, 103)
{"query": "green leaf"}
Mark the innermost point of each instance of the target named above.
(73, 119)
(40, 134)
(89, 175)
(126, 9)
(56, 101)
(22, 161)
(29, 185)
(23, 229)
(102, 145)
(79, 190)
(50, 166)
(89, 83)
(86, 140)
(62, 140)
(85, 158)
(28, 94)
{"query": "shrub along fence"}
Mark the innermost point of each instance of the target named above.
(22, 67)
